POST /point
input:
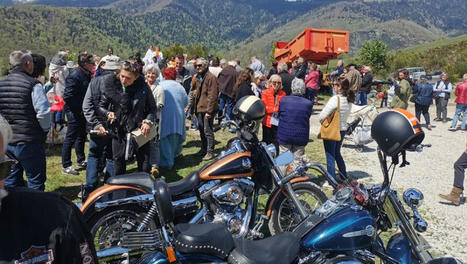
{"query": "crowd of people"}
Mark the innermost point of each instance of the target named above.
(137, 108)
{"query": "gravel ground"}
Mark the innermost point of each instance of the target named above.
(431, 171)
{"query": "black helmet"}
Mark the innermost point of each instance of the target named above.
(396, 130)
(249, 108)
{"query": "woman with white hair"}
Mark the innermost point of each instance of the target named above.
(271, 98)
(152, 72)
(295, 110)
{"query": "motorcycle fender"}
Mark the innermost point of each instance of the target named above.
(399, 249)
(275, 193)
(102, 194)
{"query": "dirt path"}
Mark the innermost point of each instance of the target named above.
(431, 171)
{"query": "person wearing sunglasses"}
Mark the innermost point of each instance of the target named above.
(130, 107)
(206, 105)
(271, 98)
(39, 225)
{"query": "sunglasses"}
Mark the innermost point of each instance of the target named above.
(129, 64)
(199, 65)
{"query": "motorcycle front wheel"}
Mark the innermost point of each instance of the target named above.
(284, 214)
(109, 226)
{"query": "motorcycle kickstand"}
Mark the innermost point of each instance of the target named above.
(255, 233)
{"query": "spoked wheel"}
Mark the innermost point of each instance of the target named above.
(284, 214)
(109, 226)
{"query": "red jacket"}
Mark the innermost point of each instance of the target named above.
(271, 103)
(461, 93)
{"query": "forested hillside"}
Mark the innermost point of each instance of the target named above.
(234, 28)
(398, 23)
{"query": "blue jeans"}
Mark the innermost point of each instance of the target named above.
(75, 136)
(228, 103)
(360, 98)
(311, 94)
(100, 147)
(31, 159)
(460, 108)
(333, 156)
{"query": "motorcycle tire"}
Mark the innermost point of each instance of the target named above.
(108, 226)
(283, 215)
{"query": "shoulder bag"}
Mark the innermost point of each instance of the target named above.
(330, 128)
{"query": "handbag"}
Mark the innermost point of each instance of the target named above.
(413, 98)
(330, 128)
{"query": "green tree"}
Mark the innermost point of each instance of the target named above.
(374, 54)
(174, 50)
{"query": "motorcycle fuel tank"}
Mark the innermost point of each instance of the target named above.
(235, 165)
(348, 229)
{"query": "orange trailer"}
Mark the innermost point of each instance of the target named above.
(317, 45)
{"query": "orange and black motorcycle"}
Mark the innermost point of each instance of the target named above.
(227, 190)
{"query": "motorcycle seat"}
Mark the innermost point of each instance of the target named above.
(282, 248)
(184, 185)
(211, 239)
(142, 180)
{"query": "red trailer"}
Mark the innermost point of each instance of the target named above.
(317, 45)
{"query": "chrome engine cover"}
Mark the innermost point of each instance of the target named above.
(232, 193)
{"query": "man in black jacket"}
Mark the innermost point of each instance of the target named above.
(24, 104)
(367, 79)
(38, 227)
(286, 78)
(75, 89)
(100, 142)
(129, 106)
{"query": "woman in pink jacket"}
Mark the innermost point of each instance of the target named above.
(461, 104)
(312, 82)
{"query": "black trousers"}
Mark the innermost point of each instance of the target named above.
(142, 156)
(206, 131)
(422, 109)
(459, 169)
(270, 136)
(75, 136)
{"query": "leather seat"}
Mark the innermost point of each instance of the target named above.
(184, 185)
(211, 239)
(146, 181)
(280, 249)
(140, 179)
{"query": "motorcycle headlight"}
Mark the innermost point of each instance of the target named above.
(413, 197)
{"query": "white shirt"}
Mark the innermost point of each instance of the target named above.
(331, 106)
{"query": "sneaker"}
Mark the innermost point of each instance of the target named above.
(451, 128)
(437, 119)
(70, 170)
(201, 152)
(155, 172)
(428, 127)
(82, 165)
(208, 156)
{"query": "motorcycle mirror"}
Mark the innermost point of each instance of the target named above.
(284, 159)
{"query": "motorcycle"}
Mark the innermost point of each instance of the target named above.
(122, 213)
(345, 229)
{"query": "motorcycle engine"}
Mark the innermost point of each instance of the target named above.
(228, 199)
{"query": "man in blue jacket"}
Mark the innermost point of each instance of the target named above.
(295, 110)
(76, 85)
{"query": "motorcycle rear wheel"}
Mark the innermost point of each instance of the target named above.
(108, 226)
(284, 215)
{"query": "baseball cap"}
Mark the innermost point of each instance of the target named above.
(111, 62)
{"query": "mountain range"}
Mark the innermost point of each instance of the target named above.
(234, 28)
